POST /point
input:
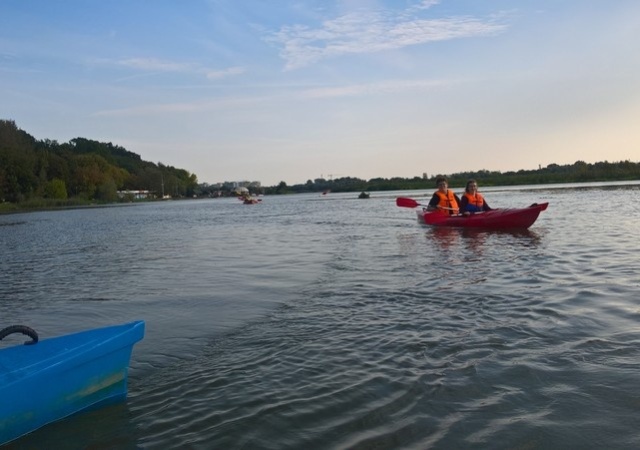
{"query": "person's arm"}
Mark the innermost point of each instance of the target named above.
(463, 202)
(459, 202)
(433, 203)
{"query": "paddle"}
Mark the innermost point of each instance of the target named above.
(407, 202)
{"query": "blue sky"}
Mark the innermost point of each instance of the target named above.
(289, 91)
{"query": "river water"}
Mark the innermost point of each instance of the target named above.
(331, 322)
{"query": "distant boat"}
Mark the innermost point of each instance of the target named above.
(363, 195)
(45, 381)
(248, 200)
(325, 192)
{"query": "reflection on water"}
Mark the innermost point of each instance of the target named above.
(109, 427)
(444, 237)
(476, 240)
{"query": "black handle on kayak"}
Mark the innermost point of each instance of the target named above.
(20, 329)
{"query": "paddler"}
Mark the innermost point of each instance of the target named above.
(472, 201)
(444, 198)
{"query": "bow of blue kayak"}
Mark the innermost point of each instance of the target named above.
(60, 376)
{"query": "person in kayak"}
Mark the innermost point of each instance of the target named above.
(444, 198)
(472, 201)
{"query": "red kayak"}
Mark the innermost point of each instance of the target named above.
(496, 218)
(249, 200)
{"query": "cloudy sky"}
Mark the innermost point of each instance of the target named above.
(292, 90)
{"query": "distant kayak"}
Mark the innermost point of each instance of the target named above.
(496, 218)
(248, 200)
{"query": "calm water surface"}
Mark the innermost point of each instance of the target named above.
(337, 323)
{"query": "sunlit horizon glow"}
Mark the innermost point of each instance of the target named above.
(292, 91)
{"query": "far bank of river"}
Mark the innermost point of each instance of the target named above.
(44, 205)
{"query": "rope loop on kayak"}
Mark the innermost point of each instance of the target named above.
(30, 332)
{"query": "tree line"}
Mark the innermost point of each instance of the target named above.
(42, 173)
(79, 171)
(577, 172)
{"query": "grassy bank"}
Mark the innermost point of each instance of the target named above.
(44, 204)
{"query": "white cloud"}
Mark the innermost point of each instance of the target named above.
(373, 31)
(177, 107)
(392, 86)
(426, 4)
(155, 65)
(217, 74)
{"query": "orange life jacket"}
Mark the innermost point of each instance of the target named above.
(448, 200)
(475, 201)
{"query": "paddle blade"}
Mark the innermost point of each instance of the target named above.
(406, 202)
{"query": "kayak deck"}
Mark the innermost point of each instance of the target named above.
(495, 218)
(60, 376)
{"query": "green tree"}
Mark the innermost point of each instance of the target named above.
(56, 189)
(282, 188)
(107, 191)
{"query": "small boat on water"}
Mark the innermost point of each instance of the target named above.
(496, 218)
(47, 380)
(364, 195)
(521, 218)
(247, 199)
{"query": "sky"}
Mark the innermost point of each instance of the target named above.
(277, 90)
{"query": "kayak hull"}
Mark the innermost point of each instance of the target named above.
(511, 218)
(58, 377)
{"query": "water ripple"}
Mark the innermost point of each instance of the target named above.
(343, 324)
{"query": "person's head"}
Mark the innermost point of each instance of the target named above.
(472, 186)
(441, 183)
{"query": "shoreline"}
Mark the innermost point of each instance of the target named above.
(493, 188)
